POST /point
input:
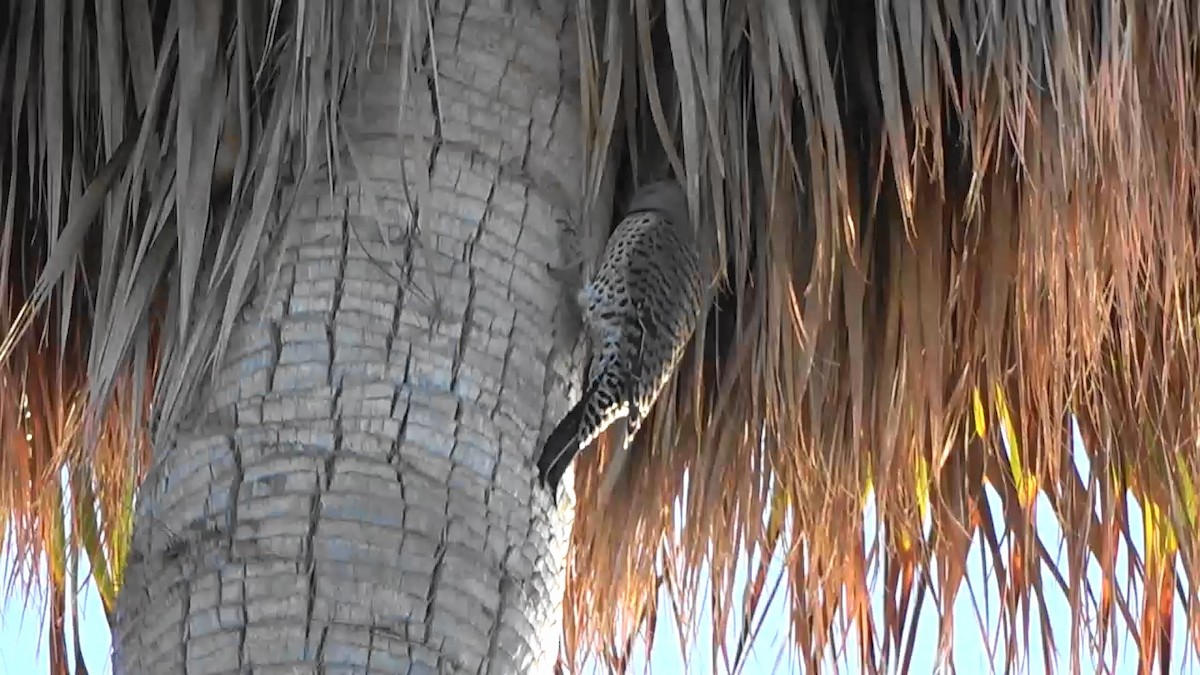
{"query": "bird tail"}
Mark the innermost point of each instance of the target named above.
(561, 446)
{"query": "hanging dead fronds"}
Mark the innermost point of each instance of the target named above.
(951, 227)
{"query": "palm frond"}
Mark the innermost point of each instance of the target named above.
(950, 228)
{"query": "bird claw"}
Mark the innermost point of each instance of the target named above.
(573, 264)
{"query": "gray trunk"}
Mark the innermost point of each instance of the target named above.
(356, 493)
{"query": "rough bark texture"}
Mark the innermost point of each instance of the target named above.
(358, 493)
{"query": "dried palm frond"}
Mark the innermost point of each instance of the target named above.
(951, 227)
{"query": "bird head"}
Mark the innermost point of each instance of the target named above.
(664, 196)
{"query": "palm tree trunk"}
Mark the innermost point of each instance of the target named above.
(355, 492)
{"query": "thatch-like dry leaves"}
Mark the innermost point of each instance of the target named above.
(952, 229)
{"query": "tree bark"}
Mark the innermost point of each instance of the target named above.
(356, 492)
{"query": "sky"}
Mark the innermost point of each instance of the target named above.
(23, 650)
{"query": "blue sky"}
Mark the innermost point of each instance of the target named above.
(22, 642)
(23, 649)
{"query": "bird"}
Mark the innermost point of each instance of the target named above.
(639, 310)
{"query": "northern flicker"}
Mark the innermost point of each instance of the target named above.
(639, 312)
